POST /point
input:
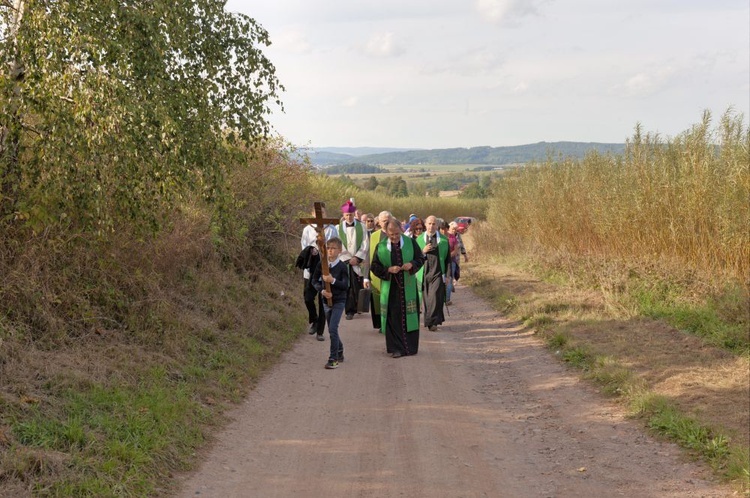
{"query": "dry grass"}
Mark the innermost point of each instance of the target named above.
(683, 201)
(119, 353)
(706, 383)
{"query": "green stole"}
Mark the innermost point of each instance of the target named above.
(342, 234)
(410, 286)
(443, 248)
(375, 281)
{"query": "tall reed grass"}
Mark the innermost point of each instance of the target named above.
(685, 200)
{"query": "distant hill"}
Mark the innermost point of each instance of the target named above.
(474, 155)
(359, 151)
(334, 156)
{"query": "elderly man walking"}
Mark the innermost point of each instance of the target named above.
(433, 274)
(375, 237)
(395, 262)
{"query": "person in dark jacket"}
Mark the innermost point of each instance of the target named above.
(307, 260)
(338, 278)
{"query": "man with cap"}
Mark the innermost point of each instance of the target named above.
(355, 253)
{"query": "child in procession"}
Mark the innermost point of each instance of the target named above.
(338, 278)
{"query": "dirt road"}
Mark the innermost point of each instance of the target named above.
(483, 410)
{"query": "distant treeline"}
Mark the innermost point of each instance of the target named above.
(537, 152)
(354, 169)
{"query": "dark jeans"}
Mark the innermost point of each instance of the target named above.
(333, 317)
(315, 314)
(450, 281)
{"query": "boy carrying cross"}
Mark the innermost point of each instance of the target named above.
(338, 279)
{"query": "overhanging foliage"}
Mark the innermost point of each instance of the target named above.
(113, 109)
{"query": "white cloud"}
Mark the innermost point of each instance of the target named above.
(350, 102)
(293, 41)
(384, 45)
(644, 84)
(520, 87)
(469, 63)
(387, 100)
(507, 12)
(407, 68)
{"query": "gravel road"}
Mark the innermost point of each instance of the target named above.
(484, 410)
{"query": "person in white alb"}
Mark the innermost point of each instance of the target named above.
(355, 254)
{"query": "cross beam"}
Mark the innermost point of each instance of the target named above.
(318, 224)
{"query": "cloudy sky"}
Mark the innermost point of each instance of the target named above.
(464, 73)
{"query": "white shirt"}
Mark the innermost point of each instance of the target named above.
(310, 237)
(351, 250)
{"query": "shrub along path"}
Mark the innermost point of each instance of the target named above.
(484, 409)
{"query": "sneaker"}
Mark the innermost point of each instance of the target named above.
(340, 359)
(332, 364)
(311, 329)
(349, 317)
(320, 337)
(432, 328)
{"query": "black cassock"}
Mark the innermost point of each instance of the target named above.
(433, 287)
(397, 338)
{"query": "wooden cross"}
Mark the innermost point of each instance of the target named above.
(319, 225)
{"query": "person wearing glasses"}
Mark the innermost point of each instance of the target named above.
(416, 228)
(368, 220)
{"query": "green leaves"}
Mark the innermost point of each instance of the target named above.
(125, 106)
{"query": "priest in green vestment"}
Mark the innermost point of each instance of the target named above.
(396, 260)
(375, 237)
(433, 274)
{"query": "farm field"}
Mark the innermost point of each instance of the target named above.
(418, 171)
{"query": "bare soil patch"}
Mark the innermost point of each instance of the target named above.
(705, 382)
(484, 409)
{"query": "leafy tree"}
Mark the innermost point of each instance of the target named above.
(346, 180)
(395, 186)
(398, 187)
(473, 191)
(117, 108)
(371, 183)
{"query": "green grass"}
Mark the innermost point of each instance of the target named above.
(712, 446)
(730, 461)
(124, 434)
(662, 416)
(114, 435)
(701, 319)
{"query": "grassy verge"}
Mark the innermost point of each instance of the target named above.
(116, 411)
(691, 389)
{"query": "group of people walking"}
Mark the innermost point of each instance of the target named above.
(407, 268)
